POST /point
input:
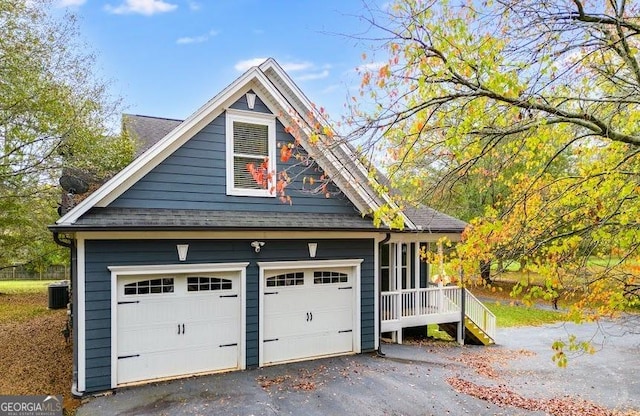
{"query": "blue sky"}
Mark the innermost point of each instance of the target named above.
(168, 57)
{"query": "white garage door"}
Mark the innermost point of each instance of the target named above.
(307, 313)
(177, 325)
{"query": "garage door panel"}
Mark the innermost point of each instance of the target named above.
(310, 314)
(194, 328)
(305, 346)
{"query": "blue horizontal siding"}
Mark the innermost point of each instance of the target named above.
(194, 177)
(99, 255)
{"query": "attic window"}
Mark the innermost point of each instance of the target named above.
(251, 144)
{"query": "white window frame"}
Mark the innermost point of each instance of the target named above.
(268, 120)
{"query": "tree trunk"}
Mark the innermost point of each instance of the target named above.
(485, 271)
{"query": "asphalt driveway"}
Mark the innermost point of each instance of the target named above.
(516, 377)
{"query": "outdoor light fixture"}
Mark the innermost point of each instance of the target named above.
(313, 247)
(182, 251)
(251, 100)
(257, 245)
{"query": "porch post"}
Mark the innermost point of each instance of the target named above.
(398, 288)
(461, 328)
(416, 265)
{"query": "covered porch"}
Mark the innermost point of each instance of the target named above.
(416, 293)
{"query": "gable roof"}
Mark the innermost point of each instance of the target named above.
(160, 137)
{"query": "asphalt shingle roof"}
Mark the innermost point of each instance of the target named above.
(119, 219)
(148, 130)
(430, 220)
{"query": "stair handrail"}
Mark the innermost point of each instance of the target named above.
(480, 315)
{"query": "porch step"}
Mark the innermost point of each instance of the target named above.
(473, 334)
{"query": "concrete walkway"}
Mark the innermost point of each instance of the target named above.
(410, 380)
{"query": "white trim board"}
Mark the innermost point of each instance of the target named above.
(228, 235)
(80, 315)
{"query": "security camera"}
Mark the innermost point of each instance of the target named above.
(257, 245)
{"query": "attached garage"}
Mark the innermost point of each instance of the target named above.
(177, 322)
(309, 309)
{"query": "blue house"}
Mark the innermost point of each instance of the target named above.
(184, 263)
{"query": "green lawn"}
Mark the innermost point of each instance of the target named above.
(24, 286)
(21, 300)
(509, 316)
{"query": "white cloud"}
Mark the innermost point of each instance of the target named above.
(296, 66)
(146, 7)
(371, 66)
(248, 63)
(313, 75)
(196, 39)
(194, 6)
(189, 39)
(70, 3)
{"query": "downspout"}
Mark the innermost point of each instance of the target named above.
(379, 352)
(71, 321)
(56, 238)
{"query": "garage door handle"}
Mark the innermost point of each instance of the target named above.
(128, 302)
(178, 329)
(229, 345)
(343, 288)
(270, 293)
(345, 330)
(183, 331)
(270, 340)
(228, 296)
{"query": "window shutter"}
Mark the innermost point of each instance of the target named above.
(251, 139)
(241, 176)
(250, 145)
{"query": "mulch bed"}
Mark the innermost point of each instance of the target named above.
(34, 357)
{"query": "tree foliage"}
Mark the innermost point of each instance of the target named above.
(527, 111)
(54, 113)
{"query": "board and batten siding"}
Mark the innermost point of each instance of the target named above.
(194, 177)
(100, 254)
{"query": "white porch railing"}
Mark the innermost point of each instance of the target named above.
(434, 305)
(479, 314)
(412, 307)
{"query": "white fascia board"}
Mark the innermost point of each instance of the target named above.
(160, 151)
(310, 109)
(336, 165)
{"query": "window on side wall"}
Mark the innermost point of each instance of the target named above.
(251, 148)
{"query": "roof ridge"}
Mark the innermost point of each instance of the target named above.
(154, 117)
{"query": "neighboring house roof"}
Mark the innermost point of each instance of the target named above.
(147, 131)
(158, 138)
